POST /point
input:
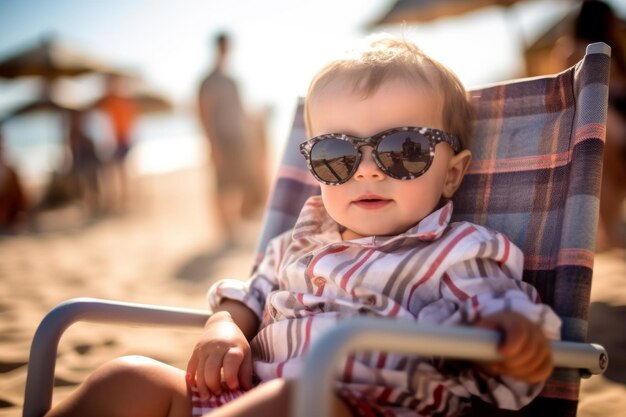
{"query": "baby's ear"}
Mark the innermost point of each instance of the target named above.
(456, 171)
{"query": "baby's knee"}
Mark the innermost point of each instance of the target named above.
(139, 385)
(124, 370)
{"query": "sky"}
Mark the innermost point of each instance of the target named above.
(169, 42)
(277, 44)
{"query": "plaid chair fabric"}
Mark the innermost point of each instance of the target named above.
(536, 173)
(535, 176)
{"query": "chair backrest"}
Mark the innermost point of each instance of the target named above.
(537, 152)
(538, 148)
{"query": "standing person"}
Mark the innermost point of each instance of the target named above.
(120, 109)
(224, 123)
(597, 22)
(377, 242)
(85, 165)
(13, 204)
(258, 181)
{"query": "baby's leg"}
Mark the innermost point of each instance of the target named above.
(130, 386)
(270, 399)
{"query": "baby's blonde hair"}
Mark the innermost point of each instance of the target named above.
(385, 58)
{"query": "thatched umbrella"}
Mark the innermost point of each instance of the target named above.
(41, 104)
(49, 59)
(145, 102)
(412, 11)
(423, 11)
(150, 102)
(539, 55)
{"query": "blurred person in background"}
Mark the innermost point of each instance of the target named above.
(597, 22)
(13, 204)
(257, 187)
(120, 110)
(84, 164)
(223, 120)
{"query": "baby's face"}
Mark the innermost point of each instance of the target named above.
(372, 203)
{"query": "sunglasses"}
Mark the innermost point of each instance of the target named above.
(403, 153)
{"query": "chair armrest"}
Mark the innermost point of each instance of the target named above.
(42, 360)
(313, 393)
(348, 336)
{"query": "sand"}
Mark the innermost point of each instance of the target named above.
(605, 395)
(162, 250)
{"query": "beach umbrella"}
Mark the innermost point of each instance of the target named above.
(145, 102)
(414, 11)
(38, 105)
(538, 55)
(49, 59)
(151, 102)
(423, 11)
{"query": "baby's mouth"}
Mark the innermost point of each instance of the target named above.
(371, 202)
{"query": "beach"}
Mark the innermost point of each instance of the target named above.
(164, 250)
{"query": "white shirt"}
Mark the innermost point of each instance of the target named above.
(435, 272)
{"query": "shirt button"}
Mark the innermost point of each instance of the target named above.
(319, 281)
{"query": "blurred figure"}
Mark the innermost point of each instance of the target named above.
(13, 204)
(597, 22)
(85, 165)
(224, 123)
(257, 187)
(121, 112)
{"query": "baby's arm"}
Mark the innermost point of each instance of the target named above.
(222, 355)
(484, 287)
(525, 350)
(221, 358)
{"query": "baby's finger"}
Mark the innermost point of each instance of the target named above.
(536, 365)
(203, 391)
(531, 373)
(245, 372)
(212, 372)
(511, 330)
(541, 371)
(516, 339)
(195, 376)
(232, 362)
(535, 350)
(192, 365)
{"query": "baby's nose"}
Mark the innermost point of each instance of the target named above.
(368, 169)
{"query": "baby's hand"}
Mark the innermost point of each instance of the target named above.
(221, 358)
(526, 353)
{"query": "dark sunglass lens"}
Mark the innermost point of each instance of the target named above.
(404, 153)
(333, 159)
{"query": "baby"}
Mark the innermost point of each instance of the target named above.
(386, 127)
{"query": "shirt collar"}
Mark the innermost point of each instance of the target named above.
(316, 225)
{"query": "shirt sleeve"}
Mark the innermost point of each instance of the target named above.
(485, 279)
(253, 292)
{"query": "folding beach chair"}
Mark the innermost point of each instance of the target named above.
(535, 176)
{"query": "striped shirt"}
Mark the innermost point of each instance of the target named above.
(436, 272)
